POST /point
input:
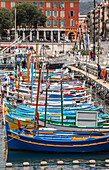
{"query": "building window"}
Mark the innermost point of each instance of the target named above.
(62, 14)
(71, 13)
(61, 4)
(41, 4)
(34, 3)
(71, 4)
(62, 23)
(12, 4)
(55, 4)
(55, 23)
(55, 13)
(48, 4)
(48, 23)
(72, 23)
(2, 4)
(48, 13)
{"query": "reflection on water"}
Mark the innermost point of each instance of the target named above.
(21, 156)
(34, 158)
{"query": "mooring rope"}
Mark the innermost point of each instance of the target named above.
(11, 138)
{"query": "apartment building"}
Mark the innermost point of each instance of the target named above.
(62, 20)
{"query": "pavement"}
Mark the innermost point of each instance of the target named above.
(101, 81)
(86, 60)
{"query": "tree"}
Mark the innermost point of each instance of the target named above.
(28, 15)
(5, 20)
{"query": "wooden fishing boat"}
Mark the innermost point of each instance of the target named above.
(25, 116)
(57, 141)
(54, 108)
(15, 120)
(24, 121)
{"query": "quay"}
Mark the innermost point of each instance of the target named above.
(105, 84)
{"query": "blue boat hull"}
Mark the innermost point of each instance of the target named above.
(50, 143)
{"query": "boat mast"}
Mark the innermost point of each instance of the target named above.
(61, 103)
(36, 58)
(28, 66)
(18, 79)
(37, 99)
(46, 98)
(43, 53)
(32, 61)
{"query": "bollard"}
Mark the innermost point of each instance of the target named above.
(60, 162)
(43, 163)
(8, 164)
(26, 164)
(75, 162)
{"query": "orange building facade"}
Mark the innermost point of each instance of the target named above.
(62, 18)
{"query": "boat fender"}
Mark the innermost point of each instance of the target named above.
(60, 162)
(43, 163)
(75, 162)
(107, 162)
(26, 164)
(92, 162)
(8, 164)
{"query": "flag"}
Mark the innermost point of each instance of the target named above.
(29, 54)
(32, 59)
(47, 81)
(66, 71)
(41, 91)
(83, 84)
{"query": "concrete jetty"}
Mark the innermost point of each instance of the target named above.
(100, 81)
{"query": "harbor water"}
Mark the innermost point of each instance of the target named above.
(18, 157)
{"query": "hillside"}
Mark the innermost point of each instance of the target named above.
(85, 7)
